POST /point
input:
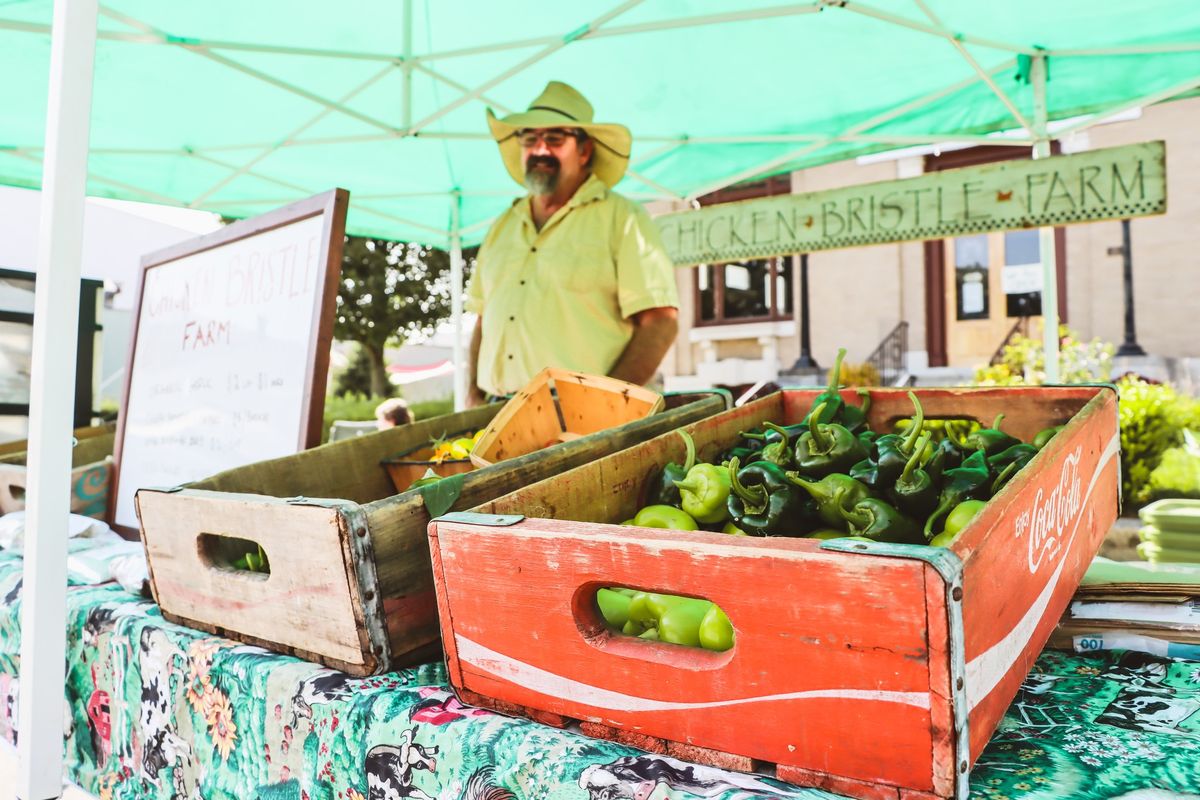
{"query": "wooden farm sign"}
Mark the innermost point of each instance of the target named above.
(1114, 183)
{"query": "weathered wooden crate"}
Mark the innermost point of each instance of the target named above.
(873, 670)
(91, 471)
(350, 583)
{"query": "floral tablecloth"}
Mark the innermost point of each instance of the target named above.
(156, 711)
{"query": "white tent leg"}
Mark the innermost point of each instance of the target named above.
(51, 400)
(456, 293)
(1046, 246)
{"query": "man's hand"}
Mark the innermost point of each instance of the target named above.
(654, 332)
(475, 397)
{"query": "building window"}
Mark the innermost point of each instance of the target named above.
(971, 276)
(1022, 276)
(745, 291)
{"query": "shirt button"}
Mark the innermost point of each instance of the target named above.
(512, 319)
(510, 356)
(522, 283)
(533, 249)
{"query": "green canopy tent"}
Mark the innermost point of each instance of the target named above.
(239, 107)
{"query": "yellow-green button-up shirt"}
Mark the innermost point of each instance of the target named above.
(563, 296)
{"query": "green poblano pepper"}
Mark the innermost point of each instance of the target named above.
(914, 492)
(971, 481)
(827, 448)
(763, 502)
(991, 440)
(881, 522)
(832, 494)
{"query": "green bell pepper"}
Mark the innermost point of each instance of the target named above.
(763, 502)
(704, 492)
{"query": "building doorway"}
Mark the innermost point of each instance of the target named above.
(977, 288)
(993, 283)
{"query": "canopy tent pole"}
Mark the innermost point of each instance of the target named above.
(51, 401)
(456, 292)
(1046, 245)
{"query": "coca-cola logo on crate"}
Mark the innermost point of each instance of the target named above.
(1050, 515)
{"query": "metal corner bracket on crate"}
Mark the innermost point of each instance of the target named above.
(490, 520)
(950, 567)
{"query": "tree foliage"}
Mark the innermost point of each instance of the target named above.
(390, 293)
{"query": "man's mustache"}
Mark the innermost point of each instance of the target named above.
(546, 161)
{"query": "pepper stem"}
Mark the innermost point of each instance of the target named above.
(914, 460)
(820, 438)
(690, 444)
(754, 498)
(835, 374)
(1004, 475)
(689, 485)
(918, 423)
(942, 508)
(996, 424)
(865, 396)
(857, 520)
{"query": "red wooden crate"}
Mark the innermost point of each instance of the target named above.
(874, 670)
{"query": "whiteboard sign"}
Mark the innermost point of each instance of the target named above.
(229, 356)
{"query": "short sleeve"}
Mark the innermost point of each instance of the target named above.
(473, 299)
(645, 272)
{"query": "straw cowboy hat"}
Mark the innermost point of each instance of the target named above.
(561, 106)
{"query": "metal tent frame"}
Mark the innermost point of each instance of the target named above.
(64, 156)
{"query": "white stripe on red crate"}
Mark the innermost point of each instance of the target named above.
(989, 667)
(551, 684)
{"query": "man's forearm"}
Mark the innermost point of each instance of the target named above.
(652, 338)
(474, 393)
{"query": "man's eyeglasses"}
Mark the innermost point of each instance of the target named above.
(553, 137)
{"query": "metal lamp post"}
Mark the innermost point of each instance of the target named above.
(1130, 346)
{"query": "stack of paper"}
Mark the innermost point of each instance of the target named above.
(1134, 605)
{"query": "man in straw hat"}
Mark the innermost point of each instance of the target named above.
(574, 275)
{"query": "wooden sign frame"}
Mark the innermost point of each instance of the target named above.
(332, 206)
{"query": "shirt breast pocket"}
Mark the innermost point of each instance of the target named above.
(582, 268)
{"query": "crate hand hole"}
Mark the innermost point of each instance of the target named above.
(233, 554)
(628, 614)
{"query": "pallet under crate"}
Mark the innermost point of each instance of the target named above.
(350, 583)
(869, 669)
